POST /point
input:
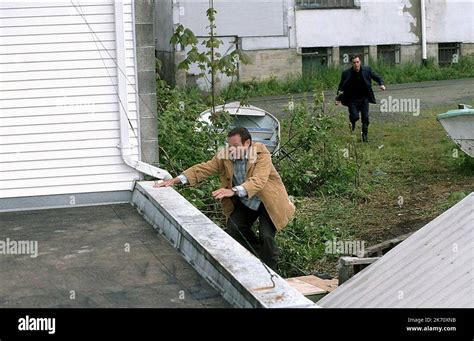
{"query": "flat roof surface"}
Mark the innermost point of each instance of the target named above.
(95, 257)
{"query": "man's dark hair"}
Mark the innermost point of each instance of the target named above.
(243, 132)
(354, 56)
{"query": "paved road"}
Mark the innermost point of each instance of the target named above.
(430, 95)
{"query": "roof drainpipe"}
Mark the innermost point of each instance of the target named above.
(423, 32)
(125, 145)
(146, 168)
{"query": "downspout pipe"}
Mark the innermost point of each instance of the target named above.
(423, 32)
(125, 144)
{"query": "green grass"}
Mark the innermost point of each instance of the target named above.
(418, 166)
(328, 78)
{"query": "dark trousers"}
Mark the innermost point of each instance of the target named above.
(361, 106)
(239, 227)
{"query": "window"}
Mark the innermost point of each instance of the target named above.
(321, 4)
(388, 54)
(448, 53)
(345, 53)
(315, 58)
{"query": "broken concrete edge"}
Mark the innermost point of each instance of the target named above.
(239, 276)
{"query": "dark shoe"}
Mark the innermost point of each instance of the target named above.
(365, 138)
(365, 132)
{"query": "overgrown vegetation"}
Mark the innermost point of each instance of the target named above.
(412, 159)
(314, 157)
(343, 189)
(328, 78)
(410, 173)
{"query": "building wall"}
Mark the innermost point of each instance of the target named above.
(59, 105)
(257, 25)
(271, 63)
(374, 23)
(410, 53)
(275, 25)
(449, 21)
(467, 49)
(243, 18)
(163, 25)
(165, 18)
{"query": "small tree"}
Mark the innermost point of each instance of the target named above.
(210, 62)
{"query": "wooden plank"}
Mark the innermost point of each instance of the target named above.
(357, 260)
(305, 288)
(325, 284)
(349, 266)
(383, 247)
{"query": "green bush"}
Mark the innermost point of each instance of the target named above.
(310, 159)
(302, 243)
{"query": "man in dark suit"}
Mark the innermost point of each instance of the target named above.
(355, 92)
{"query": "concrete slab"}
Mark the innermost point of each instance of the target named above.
(97, 256)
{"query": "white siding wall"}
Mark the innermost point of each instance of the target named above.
(59, 109)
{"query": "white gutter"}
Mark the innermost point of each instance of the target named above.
(423, 30)
(125, 145)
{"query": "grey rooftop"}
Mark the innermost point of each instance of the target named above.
(97, 256)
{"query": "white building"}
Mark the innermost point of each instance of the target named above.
(77, 101)
(293, 36)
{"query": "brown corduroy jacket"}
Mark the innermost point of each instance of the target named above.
(261, 180)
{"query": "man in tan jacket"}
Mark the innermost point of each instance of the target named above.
(251, 188)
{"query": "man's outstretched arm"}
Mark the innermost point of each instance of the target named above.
(377, 78)
(194, 174)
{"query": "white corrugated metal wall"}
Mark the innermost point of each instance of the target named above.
(59, 108)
